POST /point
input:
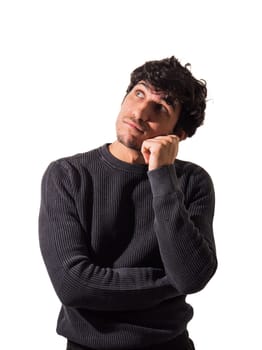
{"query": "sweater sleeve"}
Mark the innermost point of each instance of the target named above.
(184, 231)
(77, 281)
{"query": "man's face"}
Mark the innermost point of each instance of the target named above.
(145, 113)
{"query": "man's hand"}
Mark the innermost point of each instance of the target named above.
(160, 151)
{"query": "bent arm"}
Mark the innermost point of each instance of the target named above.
(184, 232)
(77, 280)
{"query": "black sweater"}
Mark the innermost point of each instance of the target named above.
(123, 247)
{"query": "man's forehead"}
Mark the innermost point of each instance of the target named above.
(152, 89)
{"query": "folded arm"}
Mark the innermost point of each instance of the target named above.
(77, 280)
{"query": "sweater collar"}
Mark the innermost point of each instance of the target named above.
(119, 164)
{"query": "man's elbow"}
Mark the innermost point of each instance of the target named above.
(197, 282)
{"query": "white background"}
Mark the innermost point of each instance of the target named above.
(64, 68)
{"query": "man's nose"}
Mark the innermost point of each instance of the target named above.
(142, 111)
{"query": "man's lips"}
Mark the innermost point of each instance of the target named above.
(134, 126)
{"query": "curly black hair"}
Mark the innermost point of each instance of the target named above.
(169, 76)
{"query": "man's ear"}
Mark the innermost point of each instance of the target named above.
(181, 134)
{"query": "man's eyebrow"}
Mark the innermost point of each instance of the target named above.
(145, 85)
(156, 92)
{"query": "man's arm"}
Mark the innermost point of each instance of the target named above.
(184, 233)
(77, 280)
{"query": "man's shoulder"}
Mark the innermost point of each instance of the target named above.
(188, 169)
(188, 166)
(75, 165)
(80, 158)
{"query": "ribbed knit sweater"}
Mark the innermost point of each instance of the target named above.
(123, 247)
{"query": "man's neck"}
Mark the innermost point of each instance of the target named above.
(126, 154)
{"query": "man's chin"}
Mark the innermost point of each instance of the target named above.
(132, 144)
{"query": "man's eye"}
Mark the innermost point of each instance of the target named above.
(139, 93)
(162, 108)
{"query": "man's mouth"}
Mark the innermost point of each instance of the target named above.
(134, 126)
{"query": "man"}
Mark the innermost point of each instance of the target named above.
(126, 229)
